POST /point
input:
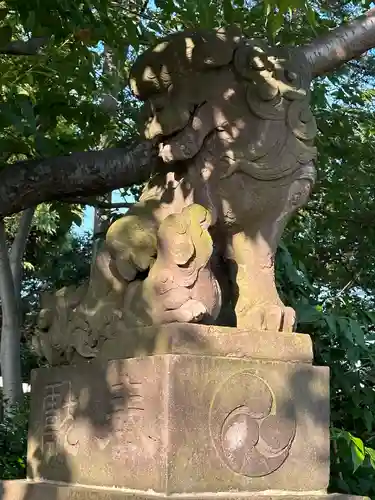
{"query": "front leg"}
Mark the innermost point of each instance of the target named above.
(252, 252)
(258, 304)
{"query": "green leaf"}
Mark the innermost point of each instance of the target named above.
(331, 322)
(3, 14)
(368, 418)
(284, 6)
(357, 333)
(28, 266)
(275, 22)
(370, 315)
(14, 145)
(358, 452)
(336, 433)
(308, 314)
(132, 33)
(17, 122)
(27, 110)
(31, 21)
(311, 16)
(344, 326)
(5, 35)
(370, 452)
(268, 8)
(203, 11)
(228, 11)
(45, 146)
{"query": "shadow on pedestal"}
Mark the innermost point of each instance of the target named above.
(211, 412)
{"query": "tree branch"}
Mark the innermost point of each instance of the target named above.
(26, 184)
(349, 41)
(29, 48)
(97, 203)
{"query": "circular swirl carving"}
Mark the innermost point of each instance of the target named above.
(301, 120)
(251, 434)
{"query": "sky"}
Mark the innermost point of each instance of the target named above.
(88, 217)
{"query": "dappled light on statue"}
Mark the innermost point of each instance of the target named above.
(234, 131)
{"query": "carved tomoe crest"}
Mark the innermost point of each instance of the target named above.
(252, 435)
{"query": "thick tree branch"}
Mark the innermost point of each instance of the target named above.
(26, 184)
(95, 202)
(347, 42)
(29, 48)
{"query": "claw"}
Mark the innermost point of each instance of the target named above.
(289, 320)
(268, 317)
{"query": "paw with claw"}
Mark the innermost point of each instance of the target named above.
(180, 286)
(267, 317)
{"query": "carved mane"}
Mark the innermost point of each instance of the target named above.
(253, 97)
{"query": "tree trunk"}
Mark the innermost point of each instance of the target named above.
(10, 355)
(18, 249)
(10, 293)
(101, 225)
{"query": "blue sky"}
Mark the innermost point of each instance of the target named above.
(88, 218)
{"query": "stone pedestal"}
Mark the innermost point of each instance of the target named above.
(213, 412)
(28, 490)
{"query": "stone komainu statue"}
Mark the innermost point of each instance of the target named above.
(234, 131)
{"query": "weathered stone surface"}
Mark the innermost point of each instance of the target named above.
(100, 424)
(284, 443)
(188, 338)
(26, 490)
(235, 137)
(182, 424)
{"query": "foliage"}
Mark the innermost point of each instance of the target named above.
(338, 309)
(61, 101)
(13, 442)
(54, 257)
(343, 335)
(54, 262)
